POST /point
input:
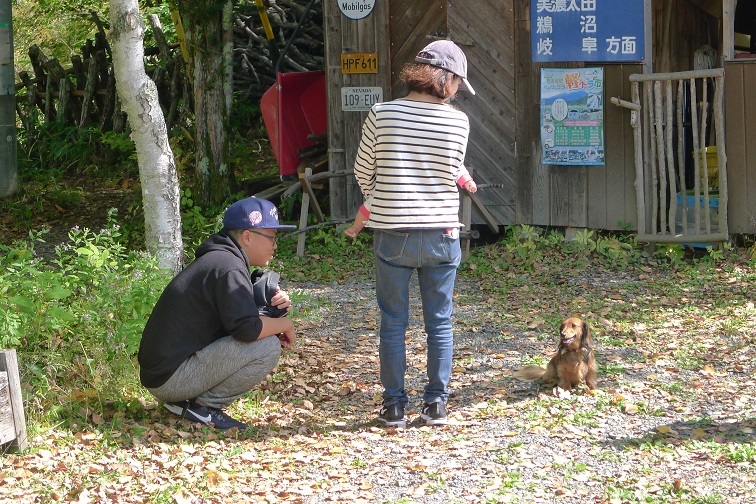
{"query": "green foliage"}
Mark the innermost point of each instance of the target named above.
(528, 247)
(584, 238)
(615, 249)
(90, 281)
(163, 12)
(58, 27)
(77, 319)
(61, 27)
(55, 149)
(717, 254)
(290, 205)
(674, 252)
(197, 223)
(330, 255)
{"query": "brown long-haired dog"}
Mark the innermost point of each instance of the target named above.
(573, 363)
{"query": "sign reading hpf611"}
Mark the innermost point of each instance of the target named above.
(359, 63)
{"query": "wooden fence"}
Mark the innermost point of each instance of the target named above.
(85, 93)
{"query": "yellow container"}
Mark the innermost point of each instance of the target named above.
(712, 166)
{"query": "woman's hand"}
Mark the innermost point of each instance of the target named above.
(471, 186)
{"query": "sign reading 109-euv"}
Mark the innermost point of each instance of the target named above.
(587, 30)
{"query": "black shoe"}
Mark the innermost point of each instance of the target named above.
(191, 411)
(224, 422)
(434, 413)
(392, 415)
(194, 412)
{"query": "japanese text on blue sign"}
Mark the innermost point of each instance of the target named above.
(587, 30)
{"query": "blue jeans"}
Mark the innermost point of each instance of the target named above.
(435, 255)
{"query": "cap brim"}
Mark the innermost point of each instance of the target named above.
(467, 85)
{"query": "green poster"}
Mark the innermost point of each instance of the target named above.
(572, 116)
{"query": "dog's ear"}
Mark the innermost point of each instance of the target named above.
(586, 336)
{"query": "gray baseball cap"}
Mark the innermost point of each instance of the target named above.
(447, 55)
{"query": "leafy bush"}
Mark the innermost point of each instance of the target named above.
(330, 255)
(53, 149)
(77, 320)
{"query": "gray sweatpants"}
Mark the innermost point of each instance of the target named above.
(221, 372)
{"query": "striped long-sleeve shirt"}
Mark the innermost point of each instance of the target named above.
(410, 157)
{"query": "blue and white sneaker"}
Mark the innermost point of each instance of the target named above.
(194, 412)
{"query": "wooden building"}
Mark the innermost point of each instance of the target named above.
(693, 61)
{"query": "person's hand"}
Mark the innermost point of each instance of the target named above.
(353, 230)
(471, 186)
(281, 300)
(287, 338)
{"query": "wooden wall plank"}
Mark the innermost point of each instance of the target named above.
(344, 35)
(558, 192)
(607, 197)
(411, 23)
(15, 402)
(748, 206)
(630, 218)
(737, 141)
(485, 31)
(578, 197)
(613, 189)
(332, 18)
(598, 202)
(526, 149)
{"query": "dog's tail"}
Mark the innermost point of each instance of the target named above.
(529, 373)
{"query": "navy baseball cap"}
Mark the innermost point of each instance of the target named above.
(447, 55)
(252, 213)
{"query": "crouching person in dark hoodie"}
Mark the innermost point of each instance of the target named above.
(206, 343)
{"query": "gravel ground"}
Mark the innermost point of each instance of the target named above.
(659, 430)
(510, 441)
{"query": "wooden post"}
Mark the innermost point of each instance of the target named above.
(12, 419)
(87, 104)
(728, 34)
(466, 220)
(304, 180)
(303, 214)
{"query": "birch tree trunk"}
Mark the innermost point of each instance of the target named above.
(157, 167)
(209, 33)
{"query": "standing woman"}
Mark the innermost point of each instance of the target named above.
(410, 159)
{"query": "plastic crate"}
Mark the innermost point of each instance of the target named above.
(690, 215)
(712, 166)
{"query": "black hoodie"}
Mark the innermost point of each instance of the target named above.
(208, 300)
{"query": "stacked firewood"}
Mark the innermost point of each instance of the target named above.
(255, 60)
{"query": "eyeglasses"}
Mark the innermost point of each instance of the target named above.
(271, 237)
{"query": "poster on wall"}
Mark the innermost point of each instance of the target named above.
(587, 30)
(572, 116)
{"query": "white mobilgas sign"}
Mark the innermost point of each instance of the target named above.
(356, 9)
(360, 99)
